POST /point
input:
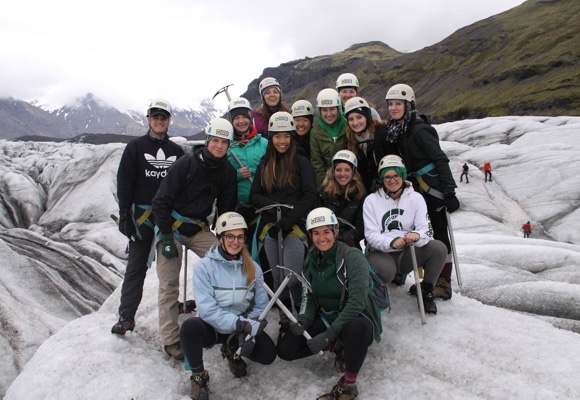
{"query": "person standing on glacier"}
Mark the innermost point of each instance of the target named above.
(143, 165)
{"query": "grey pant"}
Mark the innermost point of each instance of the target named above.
(294, 251)
(431, 257)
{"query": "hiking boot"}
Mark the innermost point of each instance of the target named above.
(174, 350)
(345, 391)
(123, 325)
(237, 365)
(442, 289)
(428, 299)
(199, 385)
(413, 290)
(399, 279)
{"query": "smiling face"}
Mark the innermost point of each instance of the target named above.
(346, 93)
(323, 237)
(303, 125)
(271, 97)
(392, 181)
(357, 122)
(218, 147)
(281, 141)
(396, 109)
(235, 246)
(343, 173)
(329, 114)
(158, 125)
(241, 124)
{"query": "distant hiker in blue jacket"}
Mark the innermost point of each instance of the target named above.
(229, 298)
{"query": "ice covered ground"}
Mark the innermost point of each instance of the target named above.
(476, 346)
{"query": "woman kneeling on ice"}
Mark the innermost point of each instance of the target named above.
(340, 312)
(230, 298)
(396, 216)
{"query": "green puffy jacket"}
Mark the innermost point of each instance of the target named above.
(323, 148)
(327, 278)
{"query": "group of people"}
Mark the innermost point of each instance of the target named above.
(307, 197)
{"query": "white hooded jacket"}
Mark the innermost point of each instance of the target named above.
(387, 219)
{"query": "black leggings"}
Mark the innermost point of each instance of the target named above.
(196, 334)
(356, 336)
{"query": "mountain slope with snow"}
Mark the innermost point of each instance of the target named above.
(61, 256)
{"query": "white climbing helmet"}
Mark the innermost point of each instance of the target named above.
(269, 82)
(345, 155)
(401, 92)
(302, 108)
(228, 221)
(393, 161)
(281, 121)
(159, 105)
(327, 98)
(321, 216)
(221, 128)
(346, 80)
(355, 103)
(240, 106)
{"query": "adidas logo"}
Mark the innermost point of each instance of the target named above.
(159, 161)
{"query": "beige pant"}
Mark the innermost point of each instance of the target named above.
(168, 270)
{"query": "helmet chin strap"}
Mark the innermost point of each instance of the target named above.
(393, 192)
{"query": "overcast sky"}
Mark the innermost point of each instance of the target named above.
(129, 51)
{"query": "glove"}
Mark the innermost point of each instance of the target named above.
(251, 326)
(127, 224)
(168, 248)
(247, 346)
(285, 223)
(298, 328)
(451, 202)
(320, 341)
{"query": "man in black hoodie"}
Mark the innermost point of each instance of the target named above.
(143, 165)
(181, 207)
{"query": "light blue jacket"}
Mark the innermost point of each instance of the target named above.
(221, 293)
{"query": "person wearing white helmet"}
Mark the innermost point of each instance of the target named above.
(229, 298)
(182, 205)
(143, 165)
(328, 134)
(418, 144)
(340, 314)
(247, 148)
(271, 94)
(284, 176)
(361, 130)
(343, 192)
(348, 86)
(395, 215)
(303, 113)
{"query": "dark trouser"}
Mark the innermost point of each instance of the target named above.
(196, 334)
(132, 289)
(440, 228)
(466, 177)
(356, 336)
(486, 174)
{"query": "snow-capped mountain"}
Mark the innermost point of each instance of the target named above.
(61, 257)
(89, 114)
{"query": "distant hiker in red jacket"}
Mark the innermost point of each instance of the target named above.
(487, 170)
(527, 228)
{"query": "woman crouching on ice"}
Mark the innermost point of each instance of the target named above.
(340, 312)
(229, 297)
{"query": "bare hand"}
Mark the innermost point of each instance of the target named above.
(245, 172)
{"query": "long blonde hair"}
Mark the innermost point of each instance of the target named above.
(248, 266)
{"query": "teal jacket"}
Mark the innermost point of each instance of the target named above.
(250, 155)
(323, 148)
(327, 277)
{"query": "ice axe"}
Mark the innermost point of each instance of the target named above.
(417, 283)
(224, 90)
